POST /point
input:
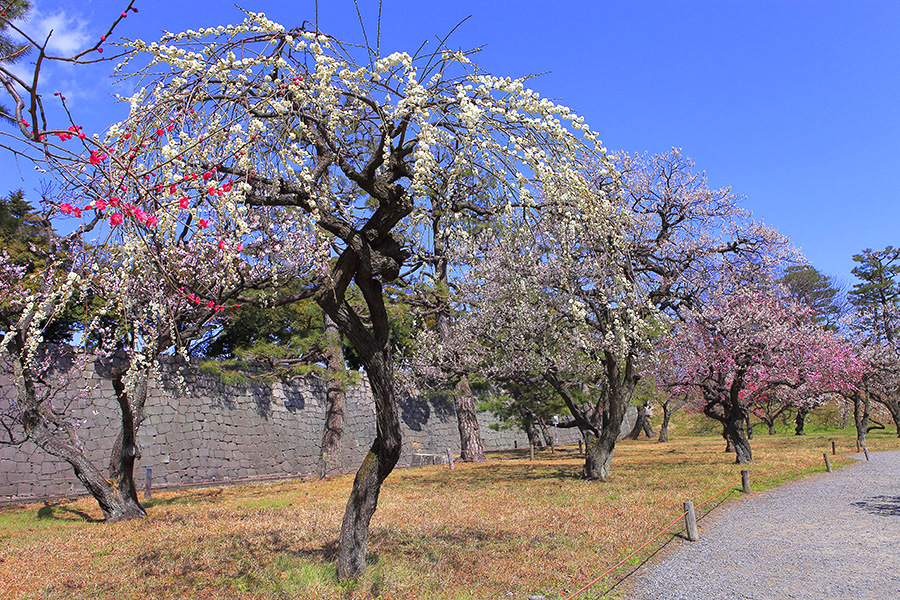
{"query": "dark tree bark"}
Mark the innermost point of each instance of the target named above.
(800, 420)
(733, 432)
(545, 431)
(621, 382)
(729, 443)
(334, 400)
(529, 425)
(892, 403)
(472, 449)
(664, 428)
(641, 424)
(374, 349)
(131, 407)
(861, 408)
(44, 428)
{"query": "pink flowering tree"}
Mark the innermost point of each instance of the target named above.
(748, 341)
(132, 306)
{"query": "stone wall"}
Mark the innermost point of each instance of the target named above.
(202, 430)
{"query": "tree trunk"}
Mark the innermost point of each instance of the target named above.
(471, 447)
(641, 424)
(376, 466)
(734, 430)
(334, 400)
(893, 405)
(597, 458)
(729, 444)
(599, 449)
(861, 407)
(131, 407)
(373, 345)
(664, 428)
(648, 428)
(472, 450)
(37, 425)
(545, 432)
(771, 425)
(800, 420)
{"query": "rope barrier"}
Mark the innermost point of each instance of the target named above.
(675, 522)
(620, 563)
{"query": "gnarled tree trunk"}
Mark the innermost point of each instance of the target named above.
(131, 407)
(374, 348)
(44, 429)
(598, 451)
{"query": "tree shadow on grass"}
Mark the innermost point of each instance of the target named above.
(59, 512)
(500, 473)
(888, 506)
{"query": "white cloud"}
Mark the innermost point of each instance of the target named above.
(69, 33)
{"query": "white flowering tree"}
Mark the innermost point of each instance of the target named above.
(255, 131)
(600, 280)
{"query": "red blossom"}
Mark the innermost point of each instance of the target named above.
(115, 219)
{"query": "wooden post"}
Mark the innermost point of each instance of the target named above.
(450, 458)
(690, 521)
(147, 484)
(866, 450)
(531, 451)
(833, 449)
(745, 481)
(827, 462)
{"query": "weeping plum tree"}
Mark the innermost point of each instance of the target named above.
(254, 130)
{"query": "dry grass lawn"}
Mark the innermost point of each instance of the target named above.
(505, 529)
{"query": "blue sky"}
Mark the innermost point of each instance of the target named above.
(795, 104)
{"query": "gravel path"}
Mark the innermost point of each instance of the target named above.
(830, 536)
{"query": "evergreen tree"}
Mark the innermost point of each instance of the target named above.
(877, 295)
(10, 51)
(820, 292)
